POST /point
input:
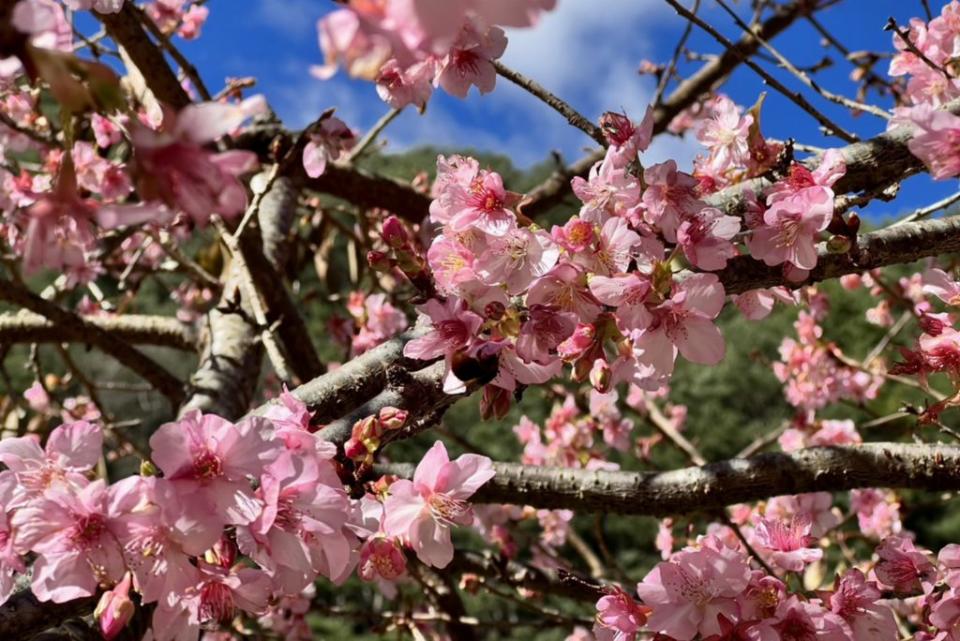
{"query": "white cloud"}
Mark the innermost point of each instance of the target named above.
(292, 18)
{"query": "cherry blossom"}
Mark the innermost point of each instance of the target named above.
(423, 510)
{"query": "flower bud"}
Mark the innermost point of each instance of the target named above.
(838, 244)
(600, 376)
(378, 261)
(394, 233)
(617, 128)
(495, 402)
(931, 325)
(393, 418)
(115, 609)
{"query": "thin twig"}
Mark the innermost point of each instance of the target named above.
(371, 136)
(189, 70)
(923, 212)
(905, 36)
(926, 9)
(793, 96)
(672, 67)
(802, 75)
(574, 117)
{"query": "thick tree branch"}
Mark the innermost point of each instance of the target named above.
(27, 327)
(75, 325)
(879, 161)
(933, 467)
(893, 245)
(352, 384)
(127, 31)
(23, 616)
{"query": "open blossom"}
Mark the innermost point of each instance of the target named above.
(564, 287)
(684, 323)
(71, 451)
(481, 203)
(10, 561)
(399, 87)
(726, 132)
(688, 592)
(209, 461)
(173, 166)
(788, 542)
(670, 197)
(423, 510)
(517, 258)
(619, 617)
(937, 141)
(546, 327)
(327, 142)
(790, 229)
(856, 600)
(608, 190)
(705, 238)
(298, 532)
(69, 529)
(469, 61)
(454, 331)
(628, 293)
(613, 250)
(903, 567)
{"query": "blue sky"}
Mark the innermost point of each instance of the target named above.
(586, 51)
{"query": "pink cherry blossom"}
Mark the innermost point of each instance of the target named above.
(423, 510)
(613, 251)
(209, 461)
(670, 197)
(469, 61)
(788, 542)
(705, 238)
(790, 229)
(626, 138)
(517, 258)
(69, 528)
(725, 133)
(399, 87)
(327, 142)
(481, 204)
(628, 293)
(688, 592)
(71, 451)
(545, 328)
(304, 512)
(564, 287)
(619, 617)
(10, 561)
(454, 330)
(684, 323)
(903, 567)
(937, 140)
(171, 165)
(856, 600)
(608, 190)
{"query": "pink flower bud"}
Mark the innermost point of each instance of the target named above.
(579, 342)
(115, 609)
(394, 233)
(600, 376)
(617, 128)
(378, 261)
(931, 325)
(393, 418)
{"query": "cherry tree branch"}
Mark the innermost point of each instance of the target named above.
(710, 76)
(75, 325)
(127, 31)
(893, 245)
(27, 327)
(931, 467)
(533, 87)
(24, 616)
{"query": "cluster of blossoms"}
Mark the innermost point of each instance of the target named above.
(709, 590)
(409, 48)
(603, 292)
(812, 374)
(373, 319)
(226, 518)
(933, 82)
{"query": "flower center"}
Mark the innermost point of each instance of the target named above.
(216, 603)
(207, 466)
(448, 510)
